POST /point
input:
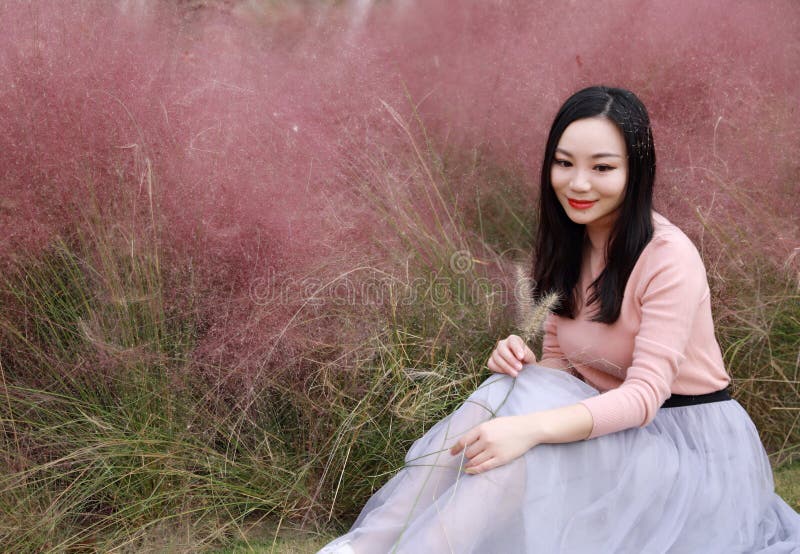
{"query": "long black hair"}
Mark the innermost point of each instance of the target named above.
(560, 241)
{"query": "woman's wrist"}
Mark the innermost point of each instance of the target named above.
(539, 430)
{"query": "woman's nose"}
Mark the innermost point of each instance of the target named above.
(580, 182)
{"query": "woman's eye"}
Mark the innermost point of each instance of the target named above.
(603, 168)
(562, 163)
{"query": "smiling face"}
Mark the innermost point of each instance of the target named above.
(589, 172)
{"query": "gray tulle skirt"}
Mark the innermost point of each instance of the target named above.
(695, 480)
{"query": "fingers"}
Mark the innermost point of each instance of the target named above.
(477, 460)
(474, 450)
(520, 349)
(485, 466)
(507, 356)
(467, 439)
(480, 457)
(500, 365)
(457, 447)
(516, 346)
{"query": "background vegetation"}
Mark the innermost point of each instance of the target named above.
(251, 250)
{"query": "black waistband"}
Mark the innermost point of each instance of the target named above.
(677, 400)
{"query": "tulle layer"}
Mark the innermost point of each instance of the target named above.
(696, 480)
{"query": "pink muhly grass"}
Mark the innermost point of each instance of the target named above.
(248, 130)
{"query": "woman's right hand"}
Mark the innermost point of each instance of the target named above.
(510, 355)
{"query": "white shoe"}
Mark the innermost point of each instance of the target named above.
(342, 548)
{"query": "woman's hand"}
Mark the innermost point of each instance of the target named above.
(509, 355)
(495, 442)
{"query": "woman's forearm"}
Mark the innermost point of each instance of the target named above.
(567, 424)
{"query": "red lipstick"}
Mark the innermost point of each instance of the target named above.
(581, 204)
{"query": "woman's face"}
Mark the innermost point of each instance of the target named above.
(589, 172)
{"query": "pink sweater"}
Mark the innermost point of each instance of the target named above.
(662, 343)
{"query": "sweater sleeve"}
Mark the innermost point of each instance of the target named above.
(671, 287)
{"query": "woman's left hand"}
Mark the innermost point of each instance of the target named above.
(494, 443)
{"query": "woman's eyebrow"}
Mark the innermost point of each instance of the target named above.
(598, 155)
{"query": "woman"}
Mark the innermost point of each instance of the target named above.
(623, 438)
